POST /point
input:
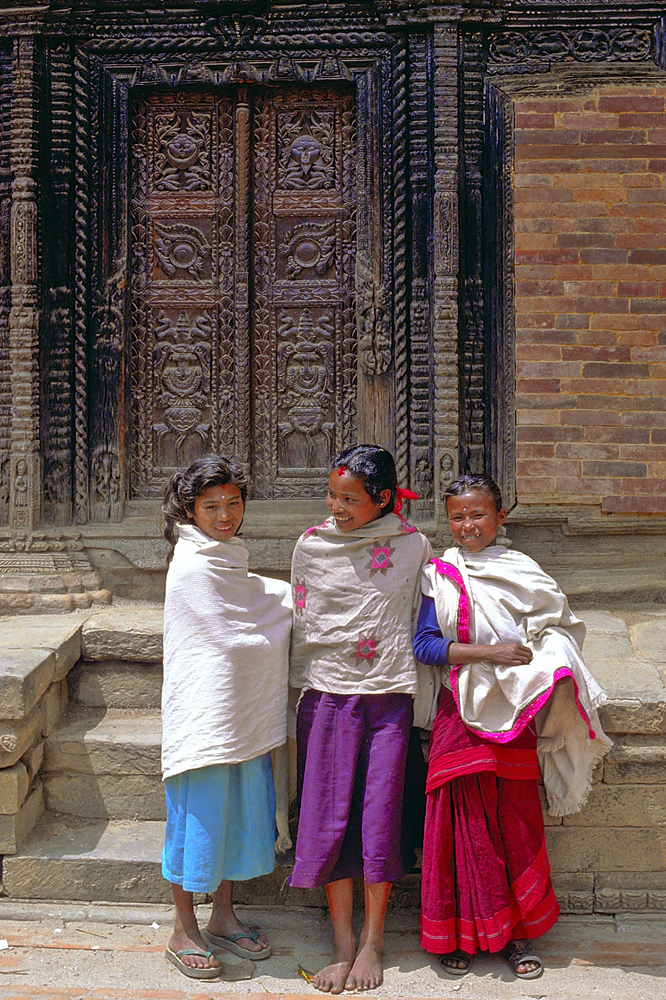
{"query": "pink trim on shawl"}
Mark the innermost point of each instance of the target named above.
(448, 569)
(528, 713)
(309, 531)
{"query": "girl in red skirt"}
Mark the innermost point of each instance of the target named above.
(517, 696)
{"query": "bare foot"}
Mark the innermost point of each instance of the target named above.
(180, 941)
(333, 978)
(366, 972)
(222, 928)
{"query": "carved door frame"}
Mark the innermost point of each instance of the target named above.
(106, 73)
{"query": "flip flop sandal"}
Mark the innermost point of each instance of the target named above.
(459, 956)
(191, 971)
(516, 954)
(228, 942)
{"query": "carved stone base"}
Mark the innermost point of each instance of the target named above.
(43, 573)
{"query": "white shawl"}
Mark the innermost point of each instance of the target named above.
(226, 644)
(356, 596)
(511, 599)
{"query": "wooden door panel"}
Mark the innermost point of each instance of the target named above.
(242, 284)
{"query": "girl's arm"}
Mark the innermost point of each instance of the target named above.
(432, 648)
(506, 654)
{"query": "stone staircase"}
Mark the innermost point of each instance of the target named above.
(82, 803)
(100, 835)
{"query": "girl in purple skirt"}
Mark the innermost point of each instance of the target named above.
(356, 584)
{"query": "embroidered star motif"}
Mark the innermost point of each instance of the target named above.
(367, 648)
(299, 596)
(380, 559)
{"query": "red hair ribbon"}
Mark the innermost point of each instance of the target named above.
(342, 469)
(403, 495)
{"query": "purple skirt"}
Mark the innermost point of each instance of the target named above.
(351, 774)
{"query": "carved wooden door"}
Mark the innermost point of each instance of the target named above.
(242, 284)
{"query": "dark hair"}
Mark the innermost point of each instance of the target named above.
(375, 466)
(475, 483)
(184, 487)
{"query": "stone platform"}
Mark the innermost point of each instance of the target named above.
(81, 802)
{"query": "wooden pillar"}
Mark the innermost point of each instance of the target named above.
(25, 466)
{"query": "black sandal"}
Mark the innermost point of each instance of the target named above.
(517, 954)
(458, 956)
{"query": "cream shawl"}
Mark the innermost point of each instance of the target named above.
(226, 644)
(356, 595)
(498, 595)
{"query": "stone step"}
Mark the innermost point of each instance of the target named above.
(116, 684)
(71, 859)
(105, 764)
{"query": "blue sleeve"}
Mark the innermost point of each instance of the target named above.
(430, 646)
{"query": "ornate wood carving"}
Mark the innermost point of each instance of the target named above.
(24, 315)
(532, 51)
(303, 379)
(421, 170)
(197, 324)
(57, 318)
(498, 286)
(471, 320)
(445, 323)
(5, 289)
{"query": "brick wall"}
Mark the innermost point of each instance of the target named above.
(590, 241)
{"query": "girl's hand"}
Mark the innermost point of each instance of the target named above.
(509, 654)
(506, 654)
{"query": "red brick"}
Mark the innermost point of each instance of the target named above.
(532, 484)
(615, 370)
(538, 352)
(581, 417)
(557, 433)
(594, 304)
(599, 336)
(536, 418)
(535, 450)
(572, 321)
(600, 256)
(526, 272)
(631, 103)
(603, 240)
(611, 322)
(616, 158)
(650, 453)
(643, 487)
(585, 484)
(591, 449)
(537, 386)
(658, 166)
(656, 353)
(539, 288)
(555, 467)
(648, 196)
(606, 225)
(591, 386)
(641, 119)
(634, 505)
(548, 369)
(615, 469)
(586, 120)
(612, 136)
(548, 105)
(619, 435)
(596, 352)
(648, 306)
(647, 257)
(639, 418)
(590, 288)
(547, 137)
(525, 195)
(547, 256)
(634, 288)
(533, 120)
(658, 435)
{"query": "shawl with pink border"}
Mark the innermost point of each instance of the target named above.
(499, 595)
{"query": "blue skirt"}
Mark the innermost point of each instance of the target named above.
(220, 824)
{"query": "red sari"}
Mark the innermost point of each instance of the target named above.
(486, 877)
